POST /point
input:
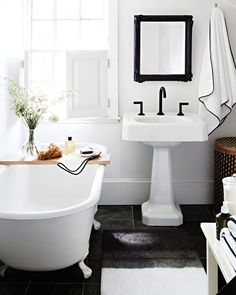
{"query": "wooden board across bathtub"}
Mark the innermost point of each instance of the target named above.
(17, 160)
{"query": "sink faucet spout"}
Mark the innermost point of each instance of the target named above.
(162, 93)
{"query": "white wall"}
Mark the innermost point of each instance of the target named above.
(127, 178)
(10, 51)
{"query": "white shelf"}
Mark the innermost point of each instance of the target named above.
(16, 159)
(209, 230)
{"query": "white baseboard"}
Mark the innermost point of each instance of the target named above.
(132, 191)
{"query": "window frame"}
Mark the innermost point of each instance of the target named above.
(112, 103)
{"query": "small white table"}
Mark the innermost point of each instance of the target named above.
(215, 257)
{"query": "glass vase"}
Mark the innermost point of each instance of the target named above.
(29, 148)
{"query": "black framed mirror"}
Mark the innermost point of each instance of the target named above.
(163, 48)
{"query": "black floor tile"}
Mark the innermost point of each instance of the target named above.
(114, 212)
(137, 213)
(17, 276)
(40, 289)
(69, 289)
(196, 213)
(203, 261)
(116, 224)
(198, 244)
(211, 209)
(12, 289)
(92, 289)
(115, 217)
(192, 228)
(71, 275)
(95, 245)
(95, 265)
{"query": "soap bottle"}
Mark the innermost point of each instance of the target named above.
(221, 219)
(69, 146)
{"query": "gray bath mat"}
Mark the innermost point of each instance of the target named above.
(158, 262)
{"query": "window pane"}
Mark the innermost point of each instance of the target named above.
(42, 35)
(59, 109)
(67, 34)
(41, 66)
(91, 9)
(43, 9)
(57, 105)
(93, 33)
(67, 8)
(42, 87)
(60, 70)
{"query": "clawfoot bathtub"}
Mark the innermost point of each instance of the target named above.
(46, 215)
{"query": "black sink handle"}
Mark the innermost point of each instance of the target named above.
(181, 104)
(141, 113)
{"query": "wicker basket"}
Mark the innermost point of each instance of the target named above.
(225, 165)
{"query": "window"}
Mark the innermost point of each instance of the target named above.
(71, 47)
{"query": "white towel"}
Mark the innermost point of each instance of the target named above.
(217, 85)
(229, 246)
(232, 225)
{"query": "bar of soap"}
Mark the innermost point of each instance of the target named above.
(86, 150)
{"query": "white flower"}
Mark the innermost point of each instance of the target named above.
(31, 107)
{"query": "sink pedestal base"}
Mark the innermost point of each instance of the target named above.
(162, 215)
(160, 209)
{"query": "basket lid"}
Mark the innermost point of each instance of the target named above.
(226, 145)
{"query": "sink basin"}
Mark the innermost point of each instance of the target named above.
(162, 132)
(169, 127)
(167, 119)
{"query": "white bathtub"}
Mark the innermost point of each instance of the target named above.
(46, 215)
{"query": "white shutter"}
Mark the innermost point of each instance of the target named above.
(87, 80)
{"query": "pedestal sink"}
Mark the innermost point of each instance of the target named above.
(162, 133)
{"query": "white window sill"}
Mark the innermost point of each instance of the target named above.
(110, 120)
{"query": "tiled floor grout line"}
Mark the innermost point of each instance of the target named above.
(83, 289)
(132, 212)
(54, 290)
(27, 287)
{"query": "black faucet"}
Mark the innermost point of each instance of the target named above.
(162, 93)
(181, 104)
(140, 103)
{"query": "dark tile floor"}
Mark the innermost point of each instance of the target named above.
(71, 282)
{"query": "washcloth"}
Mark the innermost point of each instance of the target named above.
(217, 85)
(231, 223)
(229, 246)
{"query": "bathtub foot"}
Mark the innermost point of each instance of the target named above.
(3, 269)
(85, 269)
(96, 224)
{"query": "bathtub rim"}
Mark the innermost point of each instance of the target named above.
(93, 198)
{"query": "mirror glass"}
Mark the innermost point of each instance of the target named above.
(163, 48)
